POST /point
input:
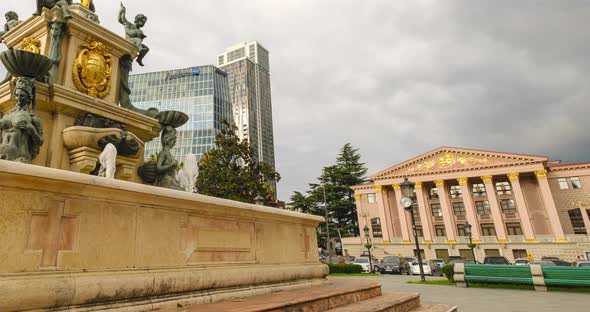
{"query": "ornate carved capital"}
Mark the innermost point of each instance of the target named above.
(541, 174)
(378, 188)
(439, 183)
(462, 181)
(418, 185)
(487, 179)
(357, 196)
(513, 176)
(397, 187)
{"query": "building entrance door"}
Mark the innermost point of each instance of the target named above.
(442, 254)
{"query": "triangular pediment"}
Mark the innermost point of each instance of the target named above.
(451, 159)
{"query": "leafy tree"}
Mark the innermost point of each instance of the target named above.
(231, 171)
(335, 184)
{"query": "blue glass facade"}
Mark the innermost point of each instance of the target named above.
(200, 92)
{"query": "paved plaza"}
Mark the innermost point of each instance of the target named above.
(484, 299)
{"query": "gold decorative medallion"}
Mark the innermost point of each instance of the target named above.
(449, 161)
(86, 3)
(31, 45)
(92, 70)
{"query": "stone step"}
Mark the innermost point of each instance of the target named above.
(388, 302)
(313, 299)
(435, 308)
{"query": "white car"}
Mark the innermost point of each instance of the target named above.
(521, 261)
(364, 262)
(415, 268)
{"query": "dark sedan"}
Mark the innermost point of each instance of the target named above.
(391, 265)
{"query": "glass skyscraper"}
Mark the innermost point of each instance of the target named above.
(248, 69)
(200, 92)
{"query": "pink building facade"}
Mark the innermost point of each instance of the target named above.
(518, 206)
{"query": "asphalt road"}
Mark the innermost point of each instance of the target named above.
(484, 299)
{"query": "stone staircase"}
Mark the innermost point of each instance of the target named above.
(349, 297)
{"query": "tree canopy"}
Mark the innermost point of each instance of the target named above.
(336, 182)
(230, 170)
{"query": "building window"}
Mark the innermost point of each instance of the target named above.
(461, 230)
(483, 207)
(577, 221)
(433, 193)
(459, 209)
(479, 190)
(513, 228)
(563, 184)
(503, 188)
(419, 231)
(436, 210)
(519, 253)
(455, 191)
(576, 183)
(440, 231)
(376, 226)
(371, 198)
(508, 206)
(488, 229)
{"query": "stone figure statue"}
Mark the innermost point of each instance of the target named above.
(57, 32)
(187, 175)
(11, 22)
(50, 4)
(126, 64)
(134, 33)
(166, 164)
(108, 162)
(22, 132)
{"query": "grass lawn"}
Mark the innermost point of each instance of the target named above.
(354, 274)
(433, 282)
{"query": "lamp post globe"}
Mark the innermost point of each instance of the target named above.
(471, 245)
(408, 188)
(368, 245)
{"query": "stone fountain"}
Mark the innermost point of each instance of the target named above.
(72, 240)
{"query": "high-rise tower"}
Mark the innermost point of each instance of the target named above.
(248, 69)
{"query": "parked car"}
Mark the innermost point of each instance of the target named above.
(561, 263)
(435, 268)
(364, 262)
(495, 260)
(415, 268)
(583, 264)
(406, 267)
(456, 259)
(440, 262)
(349, 259)
(392, 264)
(545, 258)
(521, 261)
(545, 263)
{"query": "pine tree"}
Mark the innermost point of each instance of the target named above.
(231, 171)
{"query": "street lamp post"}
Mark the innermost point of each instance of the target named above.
(368, 245)
(408, 200)
(471, 244)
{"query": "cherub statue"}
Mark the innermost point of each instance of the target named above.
(50, 4)
(22, 132)
(11, 22)
(166, 165)
(134, 33)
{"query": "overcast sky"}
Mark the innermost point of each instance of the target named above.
(394, 78)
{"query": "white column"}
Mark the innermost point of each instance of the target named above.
(403, 221)
(424, 216)
(550, 206)
(470, 210)
(495, 208)
(525, 219)
(445, 206)
(383, 207)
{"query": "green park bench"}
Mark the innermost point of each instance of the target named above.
(566, 276)
(498, 274)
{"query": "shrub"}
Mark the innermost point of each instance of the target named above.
(449, 271)
(345, 268)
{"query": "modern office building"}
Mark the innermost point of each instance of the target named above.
(200, 92)
(248, 69)
(518, 205)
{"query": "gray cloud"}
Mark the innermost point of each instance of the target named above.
(394, 78)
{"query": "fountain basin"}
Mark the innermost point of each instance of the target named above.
(21, 63)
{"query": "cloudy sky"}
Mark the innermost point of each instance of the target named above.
(394, 78)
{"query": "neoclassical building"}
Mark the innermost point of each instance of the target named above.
(517, 204)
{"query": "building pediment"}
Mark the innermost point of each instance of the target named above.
(448, 159)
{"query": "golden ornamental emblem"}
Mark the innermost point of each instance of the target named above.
(92, 70)
(31, 44)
